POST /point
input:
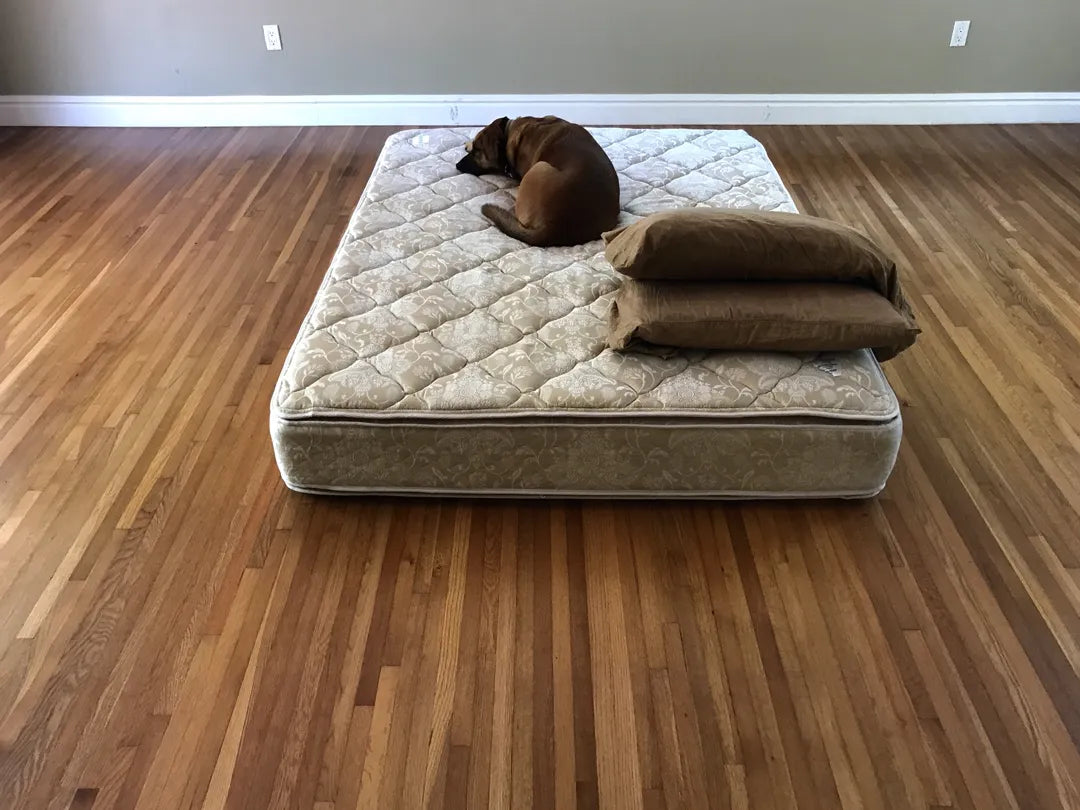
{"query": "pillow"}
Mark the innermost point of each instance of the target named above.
(716, 244)
(765, 316)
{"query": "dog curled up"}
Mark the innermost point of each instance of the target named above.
(569, 191)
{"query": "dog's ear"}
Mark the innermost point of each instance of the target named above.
(503, 125)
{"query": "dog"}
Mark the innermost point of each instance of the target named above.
(569, 191)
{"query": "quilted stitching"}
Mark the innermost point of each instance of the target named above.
(427, 307)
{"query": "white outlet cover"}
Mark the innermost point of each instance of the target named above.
(959, 33)
(272, 37)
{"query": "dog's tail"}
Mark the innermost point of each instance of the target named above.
(508, 223)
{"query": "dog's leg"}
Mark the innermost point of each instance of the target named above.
(534, 197)
(508, 223)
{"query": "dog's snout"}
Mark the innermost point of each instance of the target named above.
(467, 165)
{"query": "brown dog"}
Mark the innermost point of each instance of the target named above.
(569, 190)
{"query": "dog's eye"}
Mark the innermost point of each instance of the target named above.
(468, 146)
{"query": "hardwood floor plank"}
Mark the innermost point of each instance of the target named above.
(179, 631)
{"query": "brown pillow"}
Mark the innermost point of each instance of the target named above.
(716, 244)
(765, 316)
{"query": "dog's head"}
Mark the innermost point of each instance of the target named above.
(486, 153)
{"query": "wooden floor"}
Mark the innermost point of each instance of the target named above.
(179, 631)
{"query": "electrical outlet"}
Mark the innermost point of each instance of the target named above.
(273, 37)
(959, 33)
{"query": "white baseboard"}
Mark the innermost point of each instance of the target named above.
(443, 110)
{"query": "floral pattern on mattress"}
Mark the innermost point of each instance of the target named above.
(429, 310)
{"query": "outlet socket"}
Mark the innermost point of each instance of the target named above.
(959, 33)
(272, 36)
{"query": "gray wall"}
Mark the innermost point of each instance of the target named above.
(559, 46)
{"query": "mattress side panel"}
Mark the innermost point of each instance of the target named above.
(736, 459)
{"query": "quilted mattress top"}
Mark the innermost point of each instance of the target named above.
(428, 311)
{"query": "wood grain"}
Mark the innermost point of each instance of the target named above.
(179, 631)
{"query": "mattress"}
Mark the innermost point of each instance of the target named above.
(441, 356)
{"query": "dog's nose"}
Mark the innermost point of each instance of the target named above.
(468, 165)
